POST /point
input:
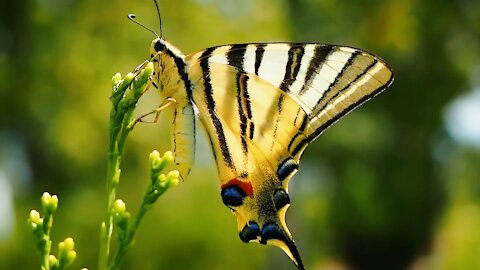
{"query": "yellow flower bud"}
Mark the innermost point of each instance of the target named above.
(49, 203)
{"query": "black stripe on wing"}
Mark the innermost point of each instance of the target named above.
(243, 107)
(295, 55)
(236, 55)
(320, 53)
(259, 56)
(322, 103)
(205, 66)
(352, 106)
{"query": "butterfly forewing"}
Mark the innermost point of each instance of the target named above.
(327, 81)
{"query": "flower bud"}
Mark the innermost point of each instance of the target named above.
(34, 217)
(172, 178)
(116, 78)
(142, 78)
(168, 157)
(36, 223)
(155, 159)
(149, 68)
(49, 203)
(119, 206)
(66, 252)
(158, 164)
(120, 214)
(67, 244)
(128, 78)
(53, 261)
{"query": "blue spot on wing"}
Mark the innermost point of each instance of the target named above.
(272, 231)
(250, 232)
(280, 199)
(232, 196)
(286, 168)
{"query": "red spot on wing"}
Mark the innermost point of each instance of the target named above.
(245, 186)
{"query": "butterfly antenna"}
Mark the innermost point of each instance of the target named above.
(159, 18)
(132, 17)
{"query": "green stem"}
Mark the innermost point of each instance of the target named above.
(117, 146)
(46, 242)
(126, 242)
(107, 225)
(113, 177)
(124, 100)
(46, 253)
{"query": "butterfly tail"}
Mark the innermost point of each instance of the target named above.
(289, 247)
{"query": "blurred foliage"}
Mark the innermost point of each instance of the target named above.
(386, 188)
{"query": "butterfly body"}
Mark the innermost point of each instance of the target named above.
(261, 105)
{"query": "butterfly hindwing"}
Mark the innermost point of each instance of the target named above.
(183, 137)
(248, 148)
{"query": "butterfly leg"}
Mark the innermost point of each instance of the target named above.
(142, 65)
(151, 79)
(165, 104)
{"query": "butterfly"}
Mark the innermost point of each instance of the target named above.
(261, 105)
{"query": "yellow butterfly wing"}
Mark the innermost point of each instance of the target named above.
(261, 105)
(247, 155)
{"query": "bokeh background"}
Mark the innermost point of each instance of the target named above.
(394, 185)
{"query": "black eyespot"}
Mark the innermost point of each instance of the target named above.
(280, 198)
(272, 231)
(286, 168)
(159, 46)
(232, 196)
(250, 232)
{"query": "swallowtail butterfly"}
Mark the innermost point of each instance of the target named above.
(261, 104)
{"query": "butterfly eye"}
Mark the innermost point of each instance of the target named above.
(232, 195)
(272, 231)
(280, 199)
(159, 45)
(250, 232)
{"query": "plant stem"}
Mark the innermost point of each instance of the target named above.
(107, 225)
(126, 242)
(125, 95)
(46, 241)
(113, 178)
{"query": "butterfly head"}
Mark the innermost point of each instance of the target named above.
(169, 67)
(260, 208)
(158, 46)
(161, 47)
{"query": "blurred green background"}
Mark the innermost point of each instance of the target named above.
(394, 185)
